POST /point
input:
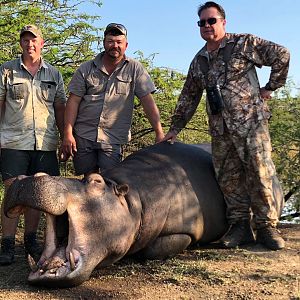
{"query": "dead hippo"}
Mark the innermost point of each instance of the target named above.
(156, 203)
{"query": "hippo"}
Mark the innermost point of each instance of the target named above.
(154, 204)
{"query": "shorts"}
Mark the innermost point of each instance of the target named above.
(92, 156)
(27, 162)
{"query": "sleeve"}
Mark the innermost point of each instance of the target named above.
(189, 98)
(77, 85)
(60, 92)
(266, 53)
(144, 84)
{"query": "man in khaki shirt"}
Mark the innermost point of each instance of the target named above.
(99, 110)
(32, 104)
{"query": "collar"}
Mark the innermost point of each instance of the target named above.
(98, 59)
(42, 64)
(228, 38)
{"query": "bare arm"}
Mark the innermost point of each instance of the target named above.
(69, 143)
(152, 113)
(59, 109)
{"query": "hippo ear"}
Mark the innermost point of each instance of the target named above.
(121, 189)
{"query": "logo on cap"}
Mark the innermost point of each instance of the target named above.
(32, 29)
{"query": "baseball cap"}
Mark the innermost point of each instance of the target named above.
(115, 27)
(33, 29)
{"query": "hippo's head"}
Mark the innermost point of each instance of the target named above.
(89, 223)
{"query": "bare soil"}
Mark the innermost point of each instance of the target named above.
(250, 272)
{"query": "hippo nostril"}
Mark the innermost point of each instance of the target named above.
(95, 178)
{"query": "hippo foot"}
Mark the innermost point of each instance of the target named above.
(167, 246)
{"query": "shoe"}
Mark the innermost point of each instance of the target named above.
(31, 246)
(7, 254)
(238, 234)
(269, 236)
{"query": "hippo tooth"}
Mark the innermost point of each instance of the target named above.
(32, 263)
(72, 261)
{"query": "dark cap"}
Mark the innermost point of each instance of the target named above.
(115, 29)
(32, 29)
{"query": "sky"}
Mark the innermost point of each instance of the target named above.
(168, 28)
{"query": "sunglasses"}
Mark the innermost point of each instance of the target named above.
(210, 21)
(113, 26)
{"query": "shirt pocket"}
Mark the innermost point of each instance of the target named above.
(123, 84)
(96, 83)
(48, 90)
(18, 89)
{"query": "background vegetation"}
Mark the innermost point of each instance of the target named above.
(71, 38)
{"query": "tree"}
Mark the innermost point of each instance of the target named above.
(285, 134)
(168, 83)
(70, 36)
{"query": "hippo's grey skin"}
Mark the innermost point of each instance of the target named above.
(157, 202)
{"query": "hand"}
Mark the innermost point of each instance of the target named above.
(170, 137)
(62, 157)
(68, 147)
(265, 94)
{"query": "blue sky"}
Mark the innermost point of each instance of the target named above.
(168, 28)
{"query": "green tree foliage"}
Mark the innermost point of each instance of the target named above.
(168, 84)
(285, 134)
(69, 34)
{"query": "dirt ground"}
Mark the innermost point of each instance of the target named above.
(251, 272)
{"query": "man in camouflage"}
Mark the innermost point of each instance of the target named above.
(241, 146)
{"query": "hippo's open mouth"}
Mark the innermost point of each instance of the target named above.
(69, 254)
(60, 257)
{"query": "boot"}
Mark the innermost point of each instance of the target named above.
(269, 236)
(238, 234)
(31, 246)
(7, 254)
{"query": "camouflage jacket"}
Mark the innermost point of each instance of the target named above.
(240, 88)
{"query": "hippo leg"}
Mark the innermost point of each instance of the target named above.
(167, 246)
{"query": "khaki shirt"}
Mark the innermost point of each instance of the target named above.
(28, 120)
(106, 108)
(240, 88)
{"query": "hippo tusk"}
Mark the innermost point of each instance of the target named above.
(32, 263)
(72, 261)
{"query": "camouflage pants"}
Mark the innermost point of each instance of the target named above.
(245, 172)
